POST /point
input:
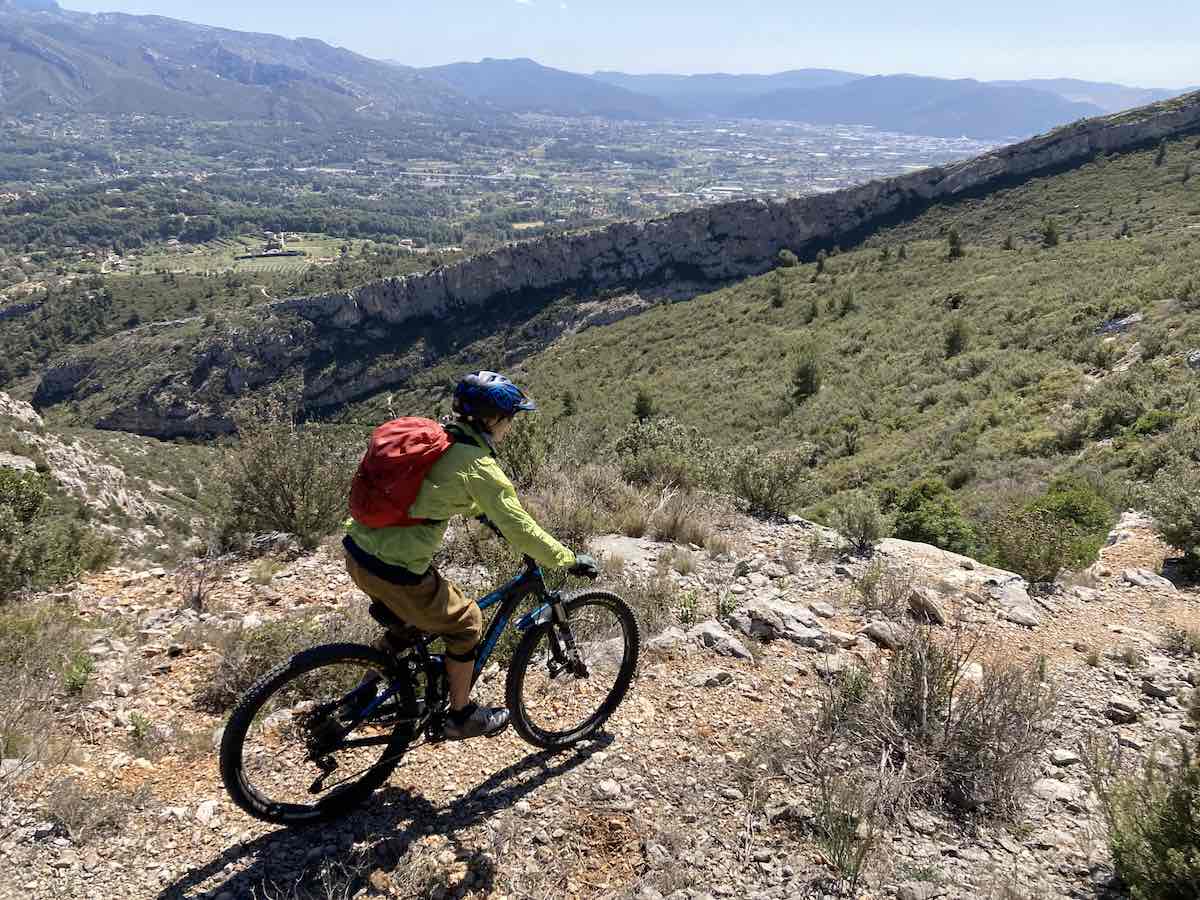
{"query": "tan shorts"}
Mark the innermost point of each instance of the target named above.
(434, 605)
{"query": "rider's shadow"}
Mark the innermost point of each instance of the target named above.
(393, 817)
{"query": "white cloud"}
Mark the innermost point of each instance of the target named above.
(524, 2)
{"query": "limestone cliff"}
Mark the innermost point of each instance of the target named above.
(348, 344)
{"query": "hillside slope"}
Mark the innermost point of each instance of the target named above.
(346, 346)
(114, 63)
(686, 788)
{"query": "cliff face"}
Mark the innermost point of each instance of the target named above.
(732, 240)
(332, 342)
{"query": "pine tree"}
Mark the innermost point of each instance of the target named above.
(1161, 156)
(806, 372)
(903, 252)
(777, 294)
(643, 405)
(1049, 233)
(954, 243)
(954, 339)
(813, 311)
(1008, 242)
(821, 257)
(568, 403)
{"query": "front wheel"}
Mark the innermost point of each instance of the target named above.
(566, 678)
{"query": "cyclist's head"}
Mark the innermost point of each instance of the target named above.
(489, 400)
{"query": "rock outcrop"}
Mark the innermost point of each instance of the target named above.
(700, 247)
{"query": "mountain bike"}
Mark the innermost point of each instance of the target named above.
(316, 736)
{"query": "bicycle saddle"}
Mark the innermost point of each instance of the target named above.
(400, 632)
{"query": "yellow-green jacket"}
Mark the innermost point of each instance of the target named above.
(465, 481)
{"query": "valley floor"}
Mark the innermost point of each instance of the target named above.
(660, 806)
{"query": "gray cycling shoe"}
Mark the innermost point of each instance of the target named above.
(484, 721)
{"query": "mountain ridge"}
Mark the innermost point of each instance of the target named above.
(920, 105)
(112, 63)
(331, 342)
(523, 85)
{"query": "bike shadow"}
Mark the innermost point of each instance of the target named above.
(395, 817)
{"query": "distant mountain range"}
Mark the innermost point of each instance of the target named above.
(111, 63)
(52, 59)
(522, 85)
(722, 95)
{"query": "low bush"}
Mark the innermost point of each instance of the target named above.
(1173, 499)
(844, 807)
(44, 539)
(663, 451)
(682, 517)
(774, 483)
(928, 512)
(654, 601)
(807, 370)
(527, 450)
(1182, 641)
(973, 744)
(196, 578)
(286, 476)
(1032, 543)
(859, 520)
(246, 654)
(883, 591)
(1153, 816)
(42, 658)
(86, 813)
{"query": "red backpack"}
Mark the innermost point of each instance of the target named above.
(399, 456)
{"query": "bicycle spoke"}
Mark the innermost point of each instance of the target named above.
(312, 727)
(563, 690)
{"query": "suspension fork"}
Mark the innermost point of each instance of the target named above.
(563, 649)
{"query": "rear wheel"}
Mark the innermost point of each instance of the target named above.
(318, 734)
(567, 678)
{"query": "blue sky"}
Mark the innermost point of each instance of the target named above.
(1154, 44)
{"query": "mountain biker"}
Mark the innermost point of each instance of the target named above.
(393, 565)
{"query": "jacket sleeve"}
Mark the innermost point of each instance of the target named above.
(496, 497)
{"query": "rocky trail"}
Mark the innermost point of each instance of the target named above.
(661, 805)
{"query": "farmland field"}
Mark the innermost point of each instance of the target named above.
(221, 255)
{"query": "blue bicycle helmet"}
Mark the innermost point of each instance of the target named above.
(485, 394)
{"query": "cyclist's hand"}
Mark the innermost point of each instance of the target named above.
(585, 567)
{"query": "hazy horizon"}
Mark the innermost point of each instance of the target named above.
(932, 38)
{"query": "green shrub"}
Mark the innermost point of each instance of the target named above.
(859, 520)
(1032, 543)
(1174, 500)
(955, 336)
(786, 259)
(286, 476)
(928, 512)
(806, 371)
(1049, 233)
(1153, 817)
(246, 654)
(663, 451)
(42, 538)
(527, 449)
(773, 483)
(1074, 500)
(954, 245)
(644, 407)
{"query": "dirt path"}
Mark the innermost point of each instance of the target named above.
(658, 805)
